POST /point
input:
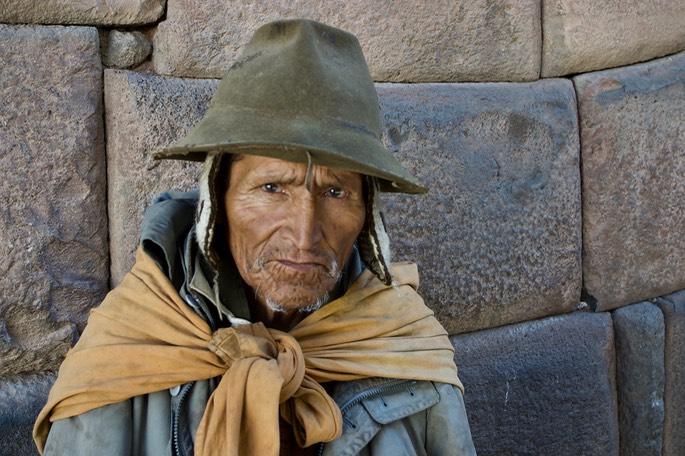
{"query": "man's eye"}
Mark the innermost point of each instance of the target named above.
(271, 188)
(335, 192)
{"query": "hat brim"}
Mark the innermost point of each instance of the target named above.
(325, 141)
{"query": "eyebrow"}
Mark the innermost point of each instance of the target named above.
(319, 178)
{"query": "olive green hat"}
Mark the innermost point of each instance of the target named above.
(301, 91)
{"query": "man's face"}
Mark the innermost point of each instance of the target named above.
(290, 242)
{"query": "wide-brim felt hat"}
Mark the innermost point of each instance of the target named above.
(300, 91)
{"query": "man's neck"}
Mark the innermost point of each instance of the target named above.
(281, 320)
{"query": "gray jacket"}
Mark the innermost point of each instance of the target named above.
(380, 416)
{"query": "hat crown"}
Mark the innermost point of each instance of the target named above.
(304, 69)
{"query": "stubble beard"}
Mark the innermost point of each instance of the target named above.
(278, 308)
(301, 305)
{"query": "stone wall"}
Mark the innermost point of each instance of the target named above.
(551, 244)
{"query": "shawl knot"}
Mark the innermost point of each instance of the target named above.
(256, 341)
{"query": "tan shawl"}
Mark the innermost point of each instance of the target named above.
(144, 338)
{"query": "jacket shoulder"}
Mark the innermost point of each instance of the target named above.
(166, 224)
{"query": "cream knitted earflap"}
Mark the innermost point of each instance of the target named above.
(205, 219)
(373, 241)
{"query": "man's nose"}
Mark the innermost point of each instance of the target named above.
(306, 223)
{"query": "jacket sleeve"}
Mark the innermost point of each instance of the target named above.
(447, 426)
(105, 430)
(138, 426)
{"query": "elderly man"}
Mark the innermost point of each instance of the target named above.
(262, 316)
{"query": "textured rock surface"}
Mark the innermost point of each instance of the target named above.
(541, 387)
(21, 398)
(85, 12)
(497, 238)
(403, 40)
(587, 35)
(122, 49)
(633, 163)
(639, 334)
(53, 222)
(673, 307)
(145, 112)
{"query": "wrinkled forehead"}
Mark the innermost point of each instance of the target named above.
(242, 166)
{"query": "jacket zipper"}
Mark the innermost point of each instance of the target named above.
(198, 305)
(182, 396)
(201, 306)
(390, 386)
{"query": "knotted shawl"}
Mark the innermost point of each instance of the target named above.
(144, 338)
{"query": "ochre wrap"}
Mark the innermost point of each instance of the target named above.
(144, 338)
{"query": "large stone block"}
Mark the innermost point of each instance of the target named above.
(53, 221)
(633, 161)
(673, 307)
(497, 238)
(145, 112)
(639, 334)
(587, 35)
(541, 387)
(403, 40)
(84, 12)
(21, 399)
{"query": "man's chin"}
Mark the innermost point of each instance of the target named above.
(305, 309)
(295, 301)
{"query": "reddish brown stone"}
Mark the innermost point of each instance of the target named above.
(86, 12)
(404, 40)
(497, 238)
(633, 163)
(588, 35)
(145, 112)
(53, 221)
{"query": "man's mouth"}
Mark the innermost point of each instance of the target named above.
(298, 266)
(303, 266)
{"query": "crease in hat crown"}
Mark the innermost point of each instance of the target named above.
(299, 88)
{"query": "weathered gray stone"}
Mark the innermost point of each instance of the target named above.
(145, 112)
(53, 224)
(541, 387)
(122, 49)
(587, 35)
(403, 40)
(83, 12)
(497, 238)
(633, 163)
(21, 398)
(673, 307)
(639, 334)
